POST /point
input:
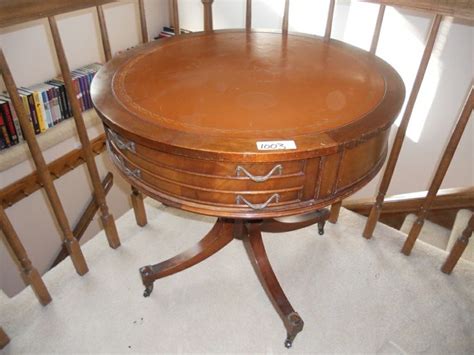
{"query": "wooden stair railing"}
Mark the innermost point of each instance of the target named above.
(457, 8)
(136, 196)
(440, 173)
(44, 174)
(459, 247)
(24, 187)
(107, 219)
(15, 12)
(400, 136)
(442, 211)
(28, 272)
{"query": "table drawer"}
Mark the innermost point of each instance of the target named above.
(200, 188)
(205, 167)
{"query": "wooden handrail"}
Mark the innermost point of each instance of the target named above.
(457, 8)
(25, 186)
(454, 198)
(19, 11)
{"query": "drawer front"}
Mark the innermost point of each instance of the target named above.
(242, 189)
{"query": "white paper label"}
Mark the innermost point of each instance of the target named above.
(276, 145)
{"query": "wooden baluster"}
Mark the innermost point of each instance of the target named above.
(378, 27)
(106, 217)
(400, 136)
(327, 33)
(458, 248)
(175, 17)
(440, 173)
(208, 22)
(335, 209)
(137, 199)
(143, 27)
(286, 13)
(28, 272)
(139, 207)
(45, 177)
(4, 339)
(248, 15)
(104, 34)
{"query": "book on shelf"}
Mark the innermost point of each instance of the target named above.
(168, 31)
(46, 104)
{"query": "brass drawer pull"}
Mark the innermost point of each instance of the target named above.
(278, 169)
(120, 142)
(257, 206)
(119, 161)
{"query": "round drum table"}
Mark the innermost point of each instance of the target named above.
(248, 127)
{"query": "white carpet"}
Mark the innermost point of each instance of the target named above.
(354, 295)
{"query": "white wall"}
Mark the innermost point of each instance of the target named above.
(28, 49)
(401, 44)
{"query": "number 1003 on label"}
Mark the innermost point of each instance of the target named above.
(276, 145)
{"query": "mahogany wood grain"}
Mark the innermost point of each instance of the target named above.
(292, 321)
(25, 186)
(143, 24)
(458, 248)
(327, 32)
(335, 209)
(4, 339)
(85, 219)
(463, 9)
(138, 207)
(248, 15)
(378, 27)
(440, 173)
(286, 14)
(18, 11)
(208, 21)
(162, 151)
(45, 177)
(272, 225)
(218, 237)
(106, 218)
(175, 17)
(400, 136)
(104, 34)
(28, 272)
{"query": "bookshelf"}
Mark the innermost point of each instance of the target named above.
(64, 130)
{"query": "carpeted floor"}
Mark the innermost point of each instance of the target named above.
(354, 295)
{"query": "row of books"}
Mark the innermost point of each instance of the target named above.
(47, 104)
(168, 31)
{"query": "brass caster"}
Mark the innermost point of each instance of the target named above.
(288, 343)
